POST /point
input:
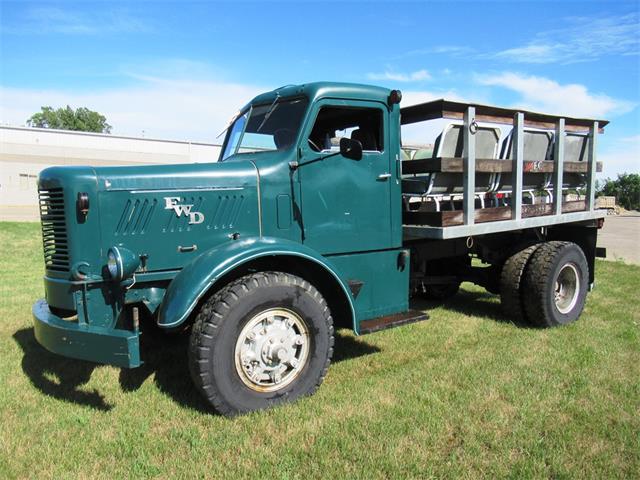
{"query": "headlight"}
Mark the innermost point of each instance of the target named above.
(112, 264)
(121, 263)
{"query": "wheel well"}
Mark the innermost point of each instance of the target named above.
(311, 271)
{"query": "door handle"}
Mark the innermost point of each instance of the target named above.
(384, 176)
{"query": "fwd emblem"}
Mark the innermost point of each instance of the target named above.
(173, 203)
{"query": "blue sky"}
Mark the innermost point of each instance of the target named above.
(179, 70)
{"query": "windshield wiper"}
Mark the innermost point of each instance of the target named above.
(235, 116)
(272, 109)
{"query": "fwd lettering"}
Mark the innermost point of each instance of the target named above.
(172, 203)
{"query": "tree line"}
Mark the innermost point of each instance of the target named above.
(80, 120)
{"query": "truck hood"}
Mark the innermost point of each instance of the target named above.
(167, 214)
(176, 177)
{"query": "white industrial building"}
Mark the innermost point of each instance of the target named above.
(24, 152)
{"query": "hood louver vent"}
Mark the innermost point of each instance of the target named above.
(54, 230)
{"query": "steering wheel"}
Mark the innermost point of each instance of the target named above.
(313, 145)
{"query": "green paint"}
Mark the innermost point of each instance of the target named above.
(192, 224)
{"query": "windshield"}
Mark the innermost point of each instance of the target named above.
(267, 127)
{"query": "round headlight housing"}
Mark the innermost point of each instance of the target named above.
(112, 264)
(121, 263)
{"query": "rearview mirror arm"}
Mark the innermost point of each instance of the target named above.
(295, 165)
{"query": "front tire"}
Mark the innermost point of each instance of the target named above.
(555, 284)
(265, 339)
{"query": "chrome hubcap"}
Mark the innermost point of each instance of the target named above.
(567, 288)
(272, 349)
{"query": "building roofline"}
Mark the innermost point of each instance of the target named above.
(105, 135)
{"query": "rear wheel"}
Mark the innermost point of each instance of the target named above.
(511, 278)
(555, 284)
(265, 339)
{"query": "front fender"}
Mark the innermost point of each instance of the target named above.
(197, 277)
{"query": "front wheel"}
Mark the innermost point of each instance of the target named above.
(555, 284)
(265, 339)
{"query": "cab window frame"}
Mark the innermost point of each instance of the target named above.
(376, 110)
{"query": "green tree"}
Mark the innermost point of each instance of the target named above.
(626, 189)
(82, 120)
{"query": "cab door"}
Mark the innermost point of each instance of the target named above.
(345, 203)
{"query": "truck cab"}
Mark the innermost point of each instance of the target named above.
(296, 230)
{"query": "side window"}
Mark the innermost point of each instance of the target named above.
(333, 123)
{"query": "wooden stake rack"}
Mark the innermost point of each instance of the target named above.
(471, 221)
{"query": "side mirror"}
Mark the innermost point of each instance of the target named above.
(350, 148)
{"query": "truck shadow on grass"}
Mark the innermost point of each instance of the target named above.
(165, 359)
(57, 376)
(473, 303)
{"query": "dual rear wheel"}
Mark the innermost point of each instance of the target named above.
(545, 285)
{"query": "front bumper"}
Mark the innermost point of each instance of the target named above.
(96, 344)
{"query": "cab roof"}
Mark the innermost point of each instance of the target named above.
(317, 90)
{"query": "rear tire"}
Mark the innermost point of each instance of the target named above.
(511, 284)
(555, 284)
(265, 339)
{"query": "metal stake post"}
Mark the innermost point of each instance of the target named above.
(591, 181)
(517, 153)
(469, 166)
(558, 154)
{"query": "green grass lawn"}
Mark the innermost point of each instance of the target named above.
(464, 394)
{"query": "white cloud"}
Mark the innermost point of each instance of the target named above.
(451, 50)
(532, 53)
(543, 94)
(180, 109)
(423, 133)
(633, 139)
(583, 39)
(620, 157)
(417, 76)
(44, 20)
(413, 97)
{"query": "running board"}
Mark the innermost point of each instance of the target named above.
(390, 321)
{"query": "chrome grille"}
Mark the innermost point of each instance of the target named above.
(54, 229)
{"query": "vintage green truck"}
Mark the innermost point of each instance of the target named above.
(315, 218)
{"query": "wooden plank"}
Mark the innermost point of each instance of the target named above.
(433, 219)
(548, 166)
(489, 165)
(541, 209)
(487, 113)
(494, 214)
(452, 218)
